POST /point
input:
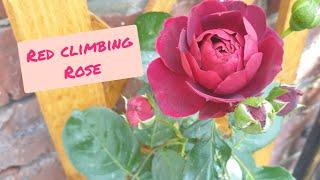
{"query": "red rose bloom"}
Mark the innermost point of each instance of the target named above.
(222, 53)
(138, 109)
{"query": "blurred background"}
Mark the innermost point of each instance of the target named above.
(26, 151)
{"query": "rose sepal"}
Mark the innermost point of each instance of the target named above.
(245, 120)
(146, 123)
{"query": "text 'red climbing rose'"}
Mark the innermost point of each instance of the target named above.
(79, 59)
(222, 53)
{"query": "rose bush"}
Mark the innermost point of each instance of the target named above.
(222, 53)
(220, 59)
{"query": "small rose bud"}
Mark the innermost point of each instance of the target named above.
(287, 101)
(139, 111)
(305, 15)
(254, 118)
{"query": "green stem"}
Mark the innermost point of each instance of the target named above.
(286, 33)
(174, 127)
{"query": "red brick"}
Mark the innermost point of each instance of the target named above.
(46, 167)
(23, 134)
(2, 12)
(10, 75)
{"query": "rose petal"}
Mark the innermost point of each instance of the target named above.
(232, 83)
(195, 50)
(231, 20)
(259, 114)
(133, 118)
(291, 97)
(250, 47)
(197, 13)
(270, 32)
(173, 95)
(213, 110)
(269, 68)
(209, 96)
(250, 30)
(253, 65)
(183, 48)
(239, 79)
(224, 34)
(208, 79)
(140, 105)
(225, 69)
(253, 13)
(167, 43)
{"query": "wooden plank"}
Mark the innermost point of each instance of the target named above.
(37, 19)
(293, 48)
(163, 6)
(293, 44)
(249, 1)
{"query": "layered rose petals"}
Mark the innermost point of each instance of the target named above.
(168, 40)
(173, 95)
(214, 110)
(197, 13)
(252, 13)
(220, 54)
(239, 79)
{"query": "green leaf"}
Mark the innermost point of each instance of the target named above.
(274, 173)
(100, 144)
(114, 175)
(207, 159)
(252, 172)
(157, 134)
(253, 142)
(198, 130)
(149, 26)
(167, 165)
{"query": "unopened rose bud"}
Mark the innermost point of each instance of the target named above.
(254, 118)
(286, 101)
(305, 15)
(139, 111)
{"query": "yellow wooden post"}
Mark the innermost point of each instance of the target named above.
(293, 47)
(293, 44)
(156, 5)
(249, 1)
